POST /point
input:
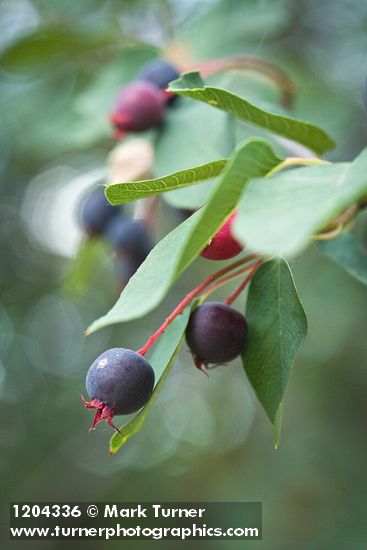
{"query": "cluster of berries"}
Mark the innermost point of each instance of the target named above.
(141, 104)
(129, 238)
(120, 381)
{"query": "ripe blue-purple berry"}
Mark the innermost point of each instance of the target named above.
(120, 381)
(160, 73)
(95, 212)
(129, 238)
(139, 106)
(125, 268)
(216, 333)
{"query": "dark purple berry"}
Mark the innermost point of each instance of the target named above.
(120, 381)
(161, 73)
(216, 333)
(95, 212)
(129, 238)
(126, 267)
(139, 106)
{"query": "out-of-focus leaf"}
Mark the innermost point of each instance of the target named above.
(45, 45)
(277, 216)
(174, 253)
(349, 253)
(88, 257)
(191, 85)
(249, 24)
(278, 425)
(161, 361)
(277, 327)
(119, 193)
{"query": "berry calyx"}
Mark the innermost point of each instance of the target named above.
(120, 381)
(216, 333)
(139, 106)
(161, 73)
(95, 212)
(223, 245)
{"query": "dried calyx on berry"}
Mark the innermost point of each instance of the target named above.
(139, 106)
(161, 73)
(120, 381)
(223, 245)
(216, 333)
(96, 212)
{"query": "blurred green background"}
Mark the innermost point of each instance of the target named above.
(61, 64)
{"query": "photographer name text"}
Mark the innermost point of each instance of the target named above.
(153, 511)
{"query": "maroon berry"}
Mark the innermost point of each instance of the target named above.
(223, 245)
(216, 333)
(120, 381)
(139, 106)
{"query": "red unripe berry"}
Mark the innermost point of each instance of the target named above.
(139, 106)
(223, 245)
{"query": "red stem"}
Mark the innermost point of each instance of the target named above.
(231, 298)
(224, 280)
(190, 296)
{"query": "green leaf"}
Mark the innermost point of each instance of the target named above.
(254, 156)
(175, 252)
(38, 50)
(161, 361)
(297, 204)
(148, 286)
(191, 85)
(119, 193)
(193, 135)
(349, 253)
(277, 327)
(91, 253)
(248, 27)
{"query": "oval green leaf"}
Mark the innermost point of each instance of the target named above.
(119, 193)
(191, 85)
(297, 204)
(277, 327)
(348, 252)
